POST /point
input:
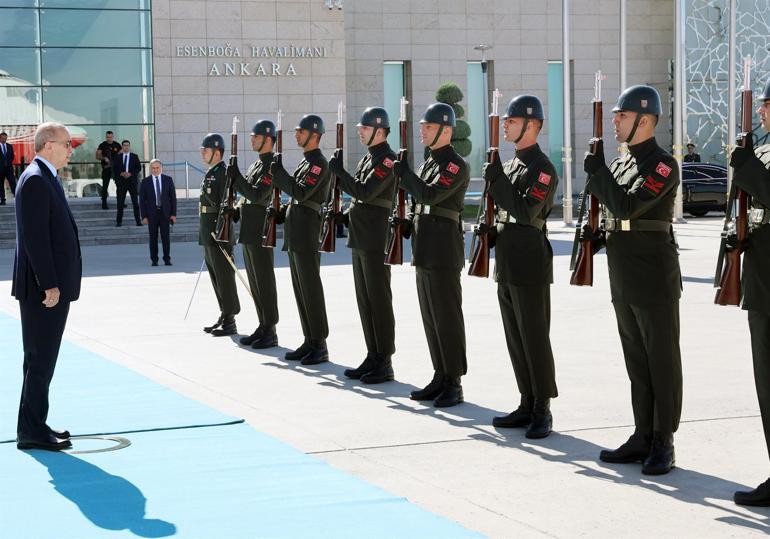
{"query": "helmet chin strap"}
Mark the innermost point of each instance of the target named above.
(264, 139)
(438, 134)
(371, 139)
(523, 129)
(633, 129)
(309, 134)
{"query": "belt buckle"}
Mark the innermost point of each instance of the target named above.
(426, 210)
(625, 225)
(502, 216)
(757, 216)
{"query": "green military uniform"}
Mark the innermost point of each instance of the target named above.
(257, 188)
(308, 187)
(524, 267)
(213, 192)
(638, 192)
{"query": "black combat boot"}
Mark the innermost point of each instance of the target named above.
(363, 368)
(661, 458)
(215, 325)
(382, 371)
(318, 353)
(246, 341)
(636, 449)
(299, 353)
(431, 391)
(759, 497)
(520, 417)
(268, 339)
(228, 327)
(542, 421)
(451, 395)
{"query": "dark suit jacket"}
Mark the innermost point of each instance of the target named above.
(134, 166)
(6, 161)
(147, 202)
(47, 245)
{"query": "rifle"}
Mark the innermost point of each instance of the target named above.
(583, 267)
(394, 247)
(736, 219)
(328, 242)
(269, 228)
(479, 260)
(224, 224)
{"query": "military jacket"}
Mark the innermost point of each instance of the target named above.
(523, 254)
(641, 184)
(754, 178)
(257, 188)
(372, 191)
(441, 182)
(213, 193)
(308, 187)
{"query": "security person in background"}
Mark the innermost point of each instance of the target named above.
(691, 156)
(523, 190)
(752, 174)
(367, 218)
(638, 191)
(438, 251)
(257, 189)
(308, 188)
(213, 192)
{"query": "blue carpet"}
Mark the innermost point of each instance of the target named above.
(223, 481)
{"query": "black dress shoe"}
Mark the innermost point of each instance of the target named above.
(118, 224)
(299, 353)
(318, 354)
(268, 339)
(661, 458)
(363, 368)
(49, 443)
(246, 341)
(382, 371)
(759, 497)
(451, 395)
(167, 263)
(215, 325)
(154, 262)
(62, 434)
(431, 391)
(542, 421)
(636, 449)
(519, 418)
(228, 328)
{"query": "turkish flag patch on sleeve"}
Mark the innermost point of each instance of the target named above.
(453, 168)
(388, 162)
(652, 185)
(315, 169)
(544, 178)
(663, 169)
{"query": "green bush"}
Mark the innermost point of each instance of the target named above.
(462, 146)
(459, 110)
(462, 130)
(449, 93)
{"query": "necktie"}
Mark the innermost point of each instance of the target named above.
(157, 191)
(3, 148)
(125, 161)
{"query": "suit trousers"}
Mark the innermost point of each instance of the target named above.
(375, 301)
(41, 330)
(309, 294)
(156, 222)
(106, 175)
(7, 174)
(526, 312)
(259, 268)
(441, 304)
(759, 326)
(123, 185)
(222, 279)
(650, 338)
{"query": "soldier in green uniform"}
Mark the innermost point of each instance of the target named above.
(438, 251)
(638, 192)
(367, 218)
(257, 189)
(308, 188)
(213, 193)
(752, 174)
(523, 190)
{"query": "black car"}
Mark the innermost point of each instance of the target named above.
(704, 188)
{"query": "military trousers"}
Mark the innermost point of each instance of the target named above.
(259, 268)
(375, 301)
(222, 278)
(309, 294)
(441, 304)
(649, 335)
(759, 326)
(526, 312)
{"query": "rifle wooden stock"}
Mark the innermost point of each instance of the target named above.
(269, 229)
(394, 250)
(328, 236)
(479, 261)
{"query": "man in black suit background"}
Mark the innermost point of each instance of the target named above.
(106, 151)
(157, 203)
(6, 166)
(46, 278)
(125, 170)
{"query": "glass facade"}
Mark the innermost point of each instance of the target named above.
(86, 64)
(555, 114)
(476, 115)
(394, 88)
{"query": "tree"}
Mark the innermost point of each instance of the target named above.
(451, 94)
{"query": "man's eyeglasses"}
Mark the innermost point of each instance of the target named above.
(67, 143)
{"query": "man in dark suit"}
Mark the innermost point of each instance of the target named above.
(125, 170)
(6, 167)
(157, 203)
(46, 278)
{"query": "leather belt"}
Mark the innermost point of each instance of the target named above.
(503, 216)
(636, 225)
(379, 202)
(207, 209)
(308, 204)
(425, 209)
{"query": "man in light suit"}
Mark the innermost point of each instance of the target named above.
(6, 167)
(157, 203)
(46, 278)
(125, 170)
